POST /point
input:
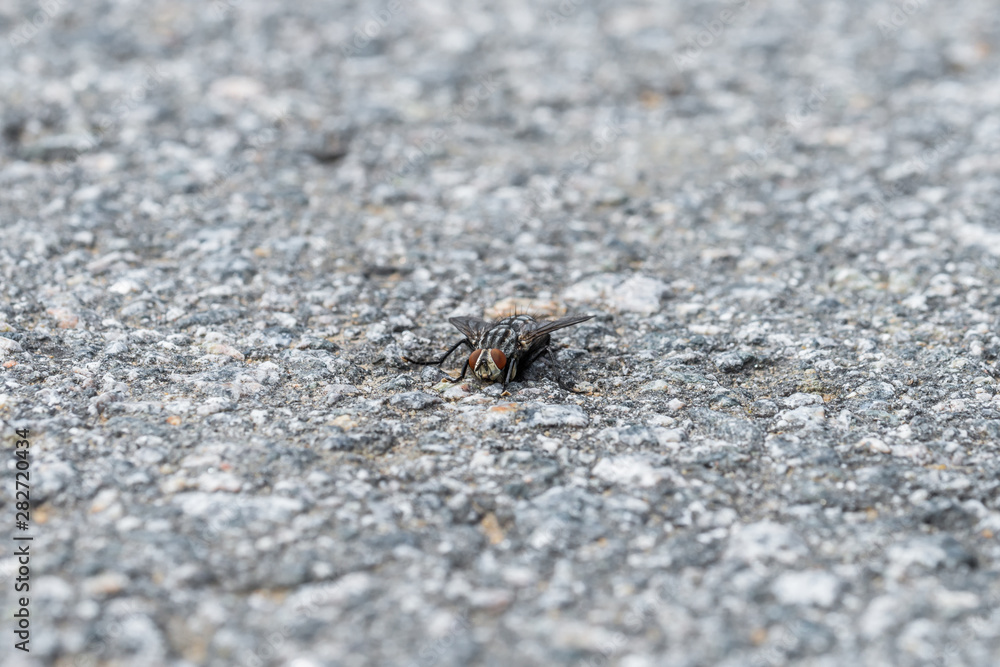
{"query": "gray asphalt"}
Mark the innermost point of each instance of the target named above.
(776, 443)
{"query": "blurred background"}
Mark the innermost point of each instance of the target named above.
(385, 128)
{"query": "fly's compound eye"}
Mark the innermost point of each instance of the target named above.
(499, 358)
(474, 358)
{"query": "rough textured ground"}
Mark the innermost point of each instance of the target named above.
(222, 224)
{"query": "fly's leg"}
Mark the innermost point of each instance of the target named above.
(438, 362)
(465, 369)
(544, 350)
(555, 369)
(511, 372)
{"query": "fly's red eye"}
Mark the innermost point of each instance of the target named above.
(499, 358)
(473, 358)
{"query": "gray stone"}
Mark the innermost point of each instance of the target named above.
(414, 400)
(539, 415)
(733, 361)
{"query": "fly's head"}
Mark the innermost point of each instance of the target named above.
(492, 364)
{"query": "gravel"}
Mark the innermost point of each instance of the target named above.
(225, 223)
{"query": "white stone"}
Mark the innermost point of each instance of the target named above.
(766, 540)
(812, 587)
(637, 294)
(799, 399)
(632, 470)
(873, 444)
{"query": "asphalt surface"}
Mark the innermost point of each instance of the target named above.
(776, 443)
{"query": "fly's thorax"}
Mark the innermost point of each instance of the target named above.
(501, 337)
(517, 322)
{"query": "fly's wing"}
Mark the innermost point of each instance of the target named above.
(541, 330)
(470, 327)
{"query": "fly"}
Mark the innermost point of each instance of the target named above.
(502, 348)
